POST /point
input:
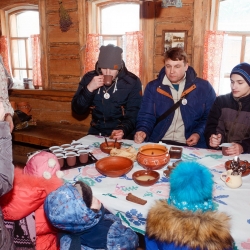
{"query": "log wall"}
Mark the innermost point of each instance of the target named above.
(63, 52)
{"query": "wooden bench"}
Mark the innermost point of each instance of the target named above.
(44, 135)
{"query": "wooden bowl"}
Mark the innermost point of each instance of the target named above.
(114, 166)
(245, 173)
(106, 147)
(153, 156)
(145, 177)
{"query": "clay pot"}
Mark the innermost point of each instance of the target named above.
(153, 156)
(24, 107)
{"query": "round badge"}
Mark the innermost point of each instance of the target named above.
(184, 101)
(106, 95)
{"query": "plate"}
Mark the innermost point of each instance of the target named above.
(245, 173)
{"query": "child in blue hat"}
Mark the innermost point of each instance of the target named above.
(188, 219)
(83, 221)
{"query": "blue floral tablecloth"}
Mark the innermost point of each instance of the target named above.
(112, 192)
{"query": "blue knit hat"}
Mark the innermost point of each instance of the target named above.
(191, 187)
(242, 69)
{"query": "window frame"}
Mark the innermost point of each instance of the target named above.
(12, 10)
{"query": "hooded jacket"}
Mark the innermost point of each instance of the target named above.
(170, 228)
(117, 112)
(194, 113)
(82, 228)
(230, 117)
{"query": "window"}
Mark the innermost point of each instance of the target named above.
(234, 19)
(22, 25)
(116, 20)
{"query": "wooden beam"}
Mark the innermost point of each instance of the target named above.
(201, 10)
(44, 45)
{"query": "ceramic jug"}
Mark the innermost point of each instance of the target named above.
(232, 181)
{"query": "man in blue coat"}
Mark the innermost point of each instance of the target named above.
(189, 98)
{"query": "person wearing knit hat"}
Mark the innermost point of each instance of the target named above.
(228, 120)
(83, 222)
(188, 220)
(114, 104)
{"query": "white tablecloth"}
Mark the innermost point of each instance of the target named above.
(112, 191)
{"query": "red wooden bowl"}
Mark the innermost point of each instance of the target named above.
(114, 166)
(145, 177)
(106, 147)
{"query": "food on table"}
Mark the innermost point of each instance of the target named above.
(135, 199)
(129, 152)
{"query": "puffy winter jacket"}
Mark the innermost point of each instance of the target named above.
(230, 117)
(117, 112)
(194, 113)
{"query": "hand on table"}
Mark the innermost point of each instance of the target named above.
(95, 83)
(139, 137)
(215, 140)
(117, 134)
(234, 150)
(193, 139)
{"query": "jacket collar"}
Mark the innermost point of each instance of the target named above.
(208, 230)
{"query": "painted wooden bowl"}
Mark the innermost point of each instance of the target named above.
(245, 173)
(153, 156)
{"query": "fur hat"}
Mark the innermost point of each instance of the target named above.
(242, 69)
(110, 57)
(85, 191)
(191, 187)
(43, 164)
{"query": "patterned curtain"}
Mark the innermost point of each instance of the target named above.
(5, 52)
(134, 52)
(94, 42)
(36, 60)
(213, 48)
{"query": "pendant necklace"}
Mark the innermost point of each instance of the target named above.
(106, 94)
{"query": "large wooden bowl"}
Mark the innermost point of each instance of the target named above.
(114, 166)
(245, 173)
(153, 156)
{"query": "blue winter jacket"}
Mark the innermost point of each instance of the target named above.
(194, 113)
(82, 228)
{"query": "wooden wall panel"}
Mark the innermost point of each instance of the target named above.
(53, 5)
(175, 14)
(64, 48)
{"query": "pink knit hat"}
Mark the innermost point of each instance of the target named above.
(43, 164)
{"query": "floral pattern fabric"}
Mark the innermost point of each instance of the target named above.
(112, 191)
(213, 47)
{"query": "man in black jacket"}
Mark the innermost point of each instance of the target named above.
(114, 106)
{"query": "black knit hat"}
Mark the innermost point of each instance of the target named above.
(110, 57)
(85, 191)
(243, 70)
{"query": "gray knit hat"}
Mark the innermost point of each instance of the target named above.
(243, 70)
(110, 57)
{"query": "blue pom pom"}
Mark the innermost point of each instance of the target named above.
(192, 183)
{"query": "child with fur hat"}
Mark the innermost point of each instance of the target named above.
(83, 221)
(115, 106)
(188, 219)
(228, 120)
